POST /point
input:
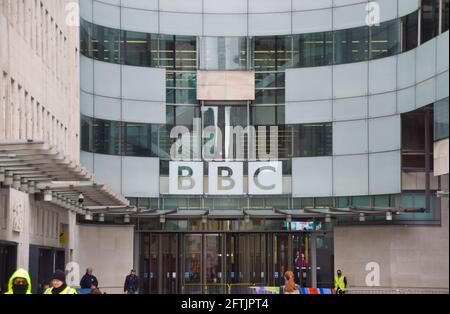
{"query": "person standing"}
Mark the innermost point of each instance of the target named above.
(88, 279)
(19, 283)
(94, 288)
(290, 287)
(131, 285)
(340, 283)
(59, 285)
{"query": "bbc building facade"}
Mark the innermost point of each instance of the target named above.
(357, 92)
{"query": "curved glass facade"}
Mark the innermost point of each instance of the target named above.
(153, 140)
(261, 53)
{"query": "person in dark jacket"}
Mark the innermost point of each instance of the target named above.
(88, 279)
(131, 285)
(94, 288)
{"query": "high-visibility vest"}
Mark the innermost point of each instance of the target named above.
(67, 290)
(339, 283)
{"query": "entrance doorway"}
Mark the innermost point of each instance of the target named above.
(8, 261)
(216, 263)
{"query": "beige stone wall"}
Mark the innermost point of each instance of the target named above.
(109, 251)
(409, 256)
(39, 73)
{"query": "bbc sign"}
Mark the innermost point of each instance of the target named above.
(225, 178)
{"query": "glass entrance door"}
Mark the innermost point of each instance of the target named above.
(169, 263)
(214, 263)
(301, 252)
(280, 258)
(192, 263)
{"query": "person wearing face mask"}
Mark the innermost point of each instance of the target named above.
(19, 283)
(340, 282)
(59, 285)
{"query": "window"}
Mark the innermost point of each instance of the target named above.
(138, 139)
(441, 119)
(166, 52)
(105, 44)
(410, 28)
(86, 134)
(385, 39)
(352, 45)
(137, 48)
(265, 53)
(107, 137)
(224, 53)
(313, 49)
(413, 138)
(270, 88)
(185, 53)
(430, 20)
(312, 139)
(86, 38)
(445, 15)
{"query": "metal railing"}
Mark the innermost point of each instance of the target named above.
(217, 288)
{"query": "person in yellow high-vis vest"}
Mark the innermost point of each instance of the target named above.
(19, 283)
(59, 285)
(340, 282)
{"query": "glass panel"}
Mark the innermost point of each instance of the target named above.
(192, 264)
(86, 134)
(264, 54)
(185, 53)
(445, 13)
(184, 115)
(213, 267)
(410, 24)
(224, 53)
(301, 261)
(137, 48)
(264, 115)
(86, 38)
(441, 119)
(385, 39)
(312, 140)
(166, 55)
(186, 96)
(352, 45)
(107, 137)
(138, 139)
(284, 52)
(105, 44)
(313, 49)
(430, 19)
(169, 263)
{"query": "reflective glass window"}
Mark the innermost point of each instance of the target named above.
(185, 53)
(224, 53)
(105, 44)
(385, 39)
(264, 115)
(441, 119)
(136, 48)
(86, 134)
(264, 50)
(430, 19)
(138, 139)
(184, 115)
(86, 38)
(352, 45)
(445, 15)
(166, 52)
(410, 29)
(312, 139)
(108, 138)
(314, 49)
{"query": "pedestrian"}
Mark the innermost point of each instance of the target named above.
(44, 286)
(340, 283)
(59, 285)
(94, 288)
(290, 287)
(19, 283)
(88, 279)
(131, 285)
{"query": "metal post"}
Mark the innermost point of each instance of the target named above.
(313, 260)
(427, 160)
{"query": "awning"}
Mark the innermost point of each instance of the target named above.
(34, 166)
